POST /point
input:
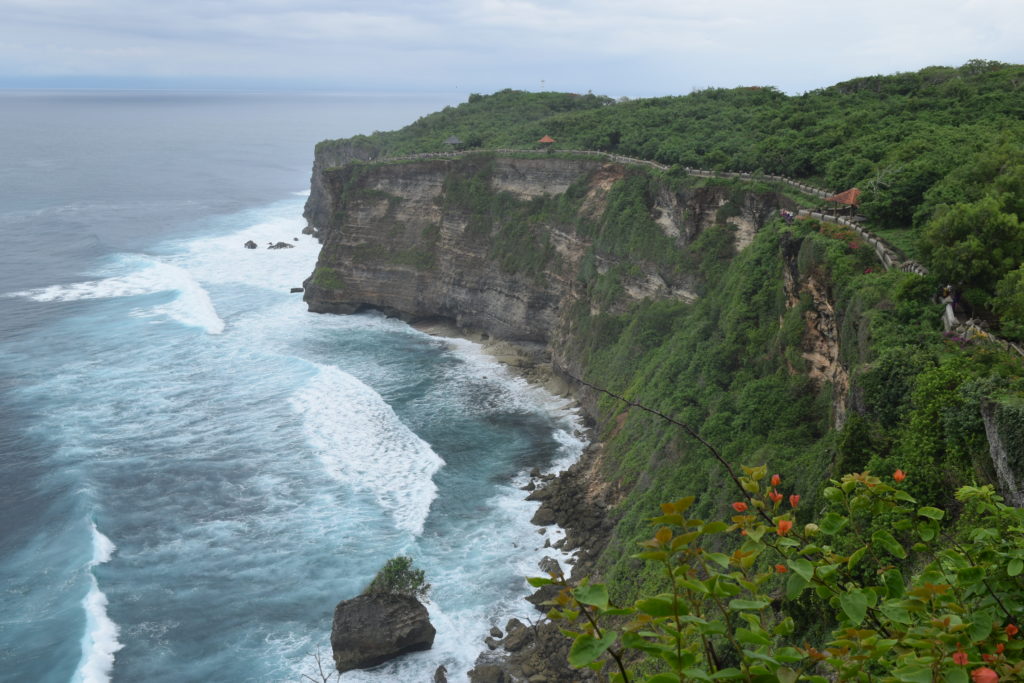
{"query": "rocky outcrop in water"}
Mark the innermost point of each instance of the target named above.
(371, 629)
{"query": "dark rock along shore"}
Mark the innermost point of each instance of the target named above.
(371, 629)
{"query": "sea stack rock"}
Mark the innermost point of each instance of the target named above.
(372, 629)
(250, 245)
(281, 245)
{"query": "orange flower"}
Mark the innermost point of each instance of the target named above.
(899, 475)
(989, 658)
(739, 506)
(1000, 647)
(1011, 630)
(781, 568)
(784, 526)
(983, 674)
(960, 657)
(775, 496)
(776, 480)
(794, 500)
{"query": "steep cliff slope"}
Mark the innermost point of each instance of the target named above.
(783, 344)
(503, 245)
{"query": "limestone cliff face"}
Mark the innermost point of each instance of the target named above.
(422, 240)
(329, 154)
(820, 343)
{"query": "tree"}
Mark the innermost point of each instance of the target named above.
(1009, 305)
(974, 245)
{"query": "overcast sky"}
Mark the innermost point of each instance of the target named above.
(613, 47)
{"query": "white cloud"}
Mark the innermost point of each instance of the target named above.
(615, 46)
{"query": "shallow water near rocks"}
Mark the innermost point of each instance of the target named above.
(194, 468)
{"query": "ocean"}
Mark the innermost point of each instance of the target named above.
(194, 469)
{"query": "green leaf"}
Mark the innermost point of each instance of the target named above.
(894, 585)
(795, 585)
(789, 654)
(914, 673)
(698, 674)
(695, 586)
(856, 558)
(739, 604)
(653, 555)
(784, 627)
(662, 678)
(802, 567)
(683, 504)
(720, 559)
(714, 527)
(970, 575)
(896, 612)
(955, 674)
(745, 635)
(885, 539)
(731, 672)
(1015, 567)
(595, 595)
(538, 581)
(832, 523)
(854, 605)
(900, 494)
(636, 642)
(931, 513)
(785, 675)
(586, 648)
(672, 519)
(927, 530)
(656, 607)
(981, 626)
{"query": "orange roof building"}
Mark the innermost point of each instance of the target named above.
(547, 140)
(851, 197)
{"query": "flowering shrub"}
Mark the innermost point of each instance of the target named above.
(935, 605)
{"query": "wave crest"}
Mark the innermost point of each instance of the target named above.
(99, 643)
(363, 443)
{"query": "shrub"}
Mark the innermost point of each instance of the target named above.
(399, 577)
(918, 600)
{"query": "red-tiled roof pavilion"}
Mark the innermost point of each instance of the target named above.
(547, 140)
(850, 197)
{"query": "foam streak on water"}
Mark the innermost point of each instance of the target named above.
(100, 643)
(362, 443)
(256, 475)
(192, 305)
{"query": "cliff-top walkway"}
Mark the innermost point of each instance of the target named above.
(890, 257)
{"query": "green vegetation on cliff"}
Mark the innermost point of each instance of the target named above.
(937, 154)
(800, 351)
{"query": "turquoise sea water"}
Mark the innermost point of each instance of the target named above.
(194, 469)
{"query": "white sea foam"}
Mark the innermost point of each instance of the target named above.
(99, 643)
(363, 443)
(192, 306)
(224, 260)
(511, 393)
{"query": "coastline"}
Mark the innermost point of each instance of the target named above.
(574, 500)
(529, 360)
